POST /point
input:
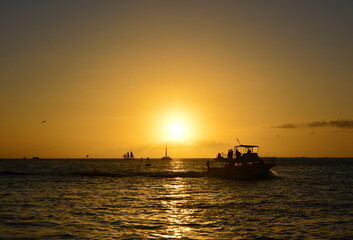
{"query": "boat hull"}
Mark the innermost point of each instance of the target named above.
(241, 172)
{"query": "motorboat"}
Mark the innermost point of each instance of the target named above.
(242, 162)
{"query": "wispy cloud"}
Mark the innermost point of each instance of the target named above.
(339, 123)
(348, 124)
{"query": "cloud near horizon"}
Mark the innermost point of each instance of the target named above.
(340, 123)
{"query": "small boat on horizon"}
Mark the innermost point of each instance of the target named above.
(166, 157)
(242, 163)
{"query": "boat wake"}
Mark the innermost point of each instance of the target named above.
(167, 174)
(189, 174)
(274, 174)
(126, 174)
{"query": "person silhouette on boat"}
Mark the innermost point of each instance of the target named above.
(208, 164)
(230, 153)
(237, 154)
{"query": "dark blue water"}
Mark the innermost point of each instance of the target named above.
(125, 199)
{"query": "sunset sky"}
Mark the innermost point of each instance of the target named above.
(113, 76)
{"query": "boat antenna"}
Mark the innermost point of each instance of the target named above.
(238, 141)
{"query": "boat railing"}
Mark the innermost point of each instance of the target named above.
(221, 156)
(269, 160)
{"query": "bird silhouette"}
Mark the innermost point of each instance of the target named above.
(44, 121)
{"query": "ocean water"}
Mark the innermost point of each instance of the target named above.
(125, 199)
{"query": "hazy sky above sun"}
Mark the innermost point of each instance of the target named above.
(115, 76)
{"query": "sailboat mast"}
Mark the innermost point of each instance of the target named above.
(166, 151)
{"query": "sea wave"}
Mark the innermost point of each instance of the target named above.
(12, 173)
(188, 174)
(61, 199)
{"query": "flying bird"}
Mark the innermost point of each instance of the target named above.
(44, 121)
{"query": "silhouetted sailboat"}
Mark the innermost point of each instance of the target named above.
(129, 155)
(166, 157)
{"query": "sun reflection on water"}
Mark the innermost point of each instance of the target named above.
(178, 216)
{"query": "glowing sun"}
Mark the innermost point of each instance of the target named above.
(176, 131)
(176, 126)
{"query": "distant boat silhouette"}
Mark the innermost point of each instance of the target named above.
(128, 155)
(166, 157)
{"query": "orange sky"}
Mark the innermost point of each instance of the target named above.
(114, 76)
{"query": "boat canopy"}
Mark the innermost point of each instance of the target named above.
(247, 146)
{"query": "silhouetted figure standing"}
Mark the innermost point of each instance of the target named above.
(237, 154)
(230, 153)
